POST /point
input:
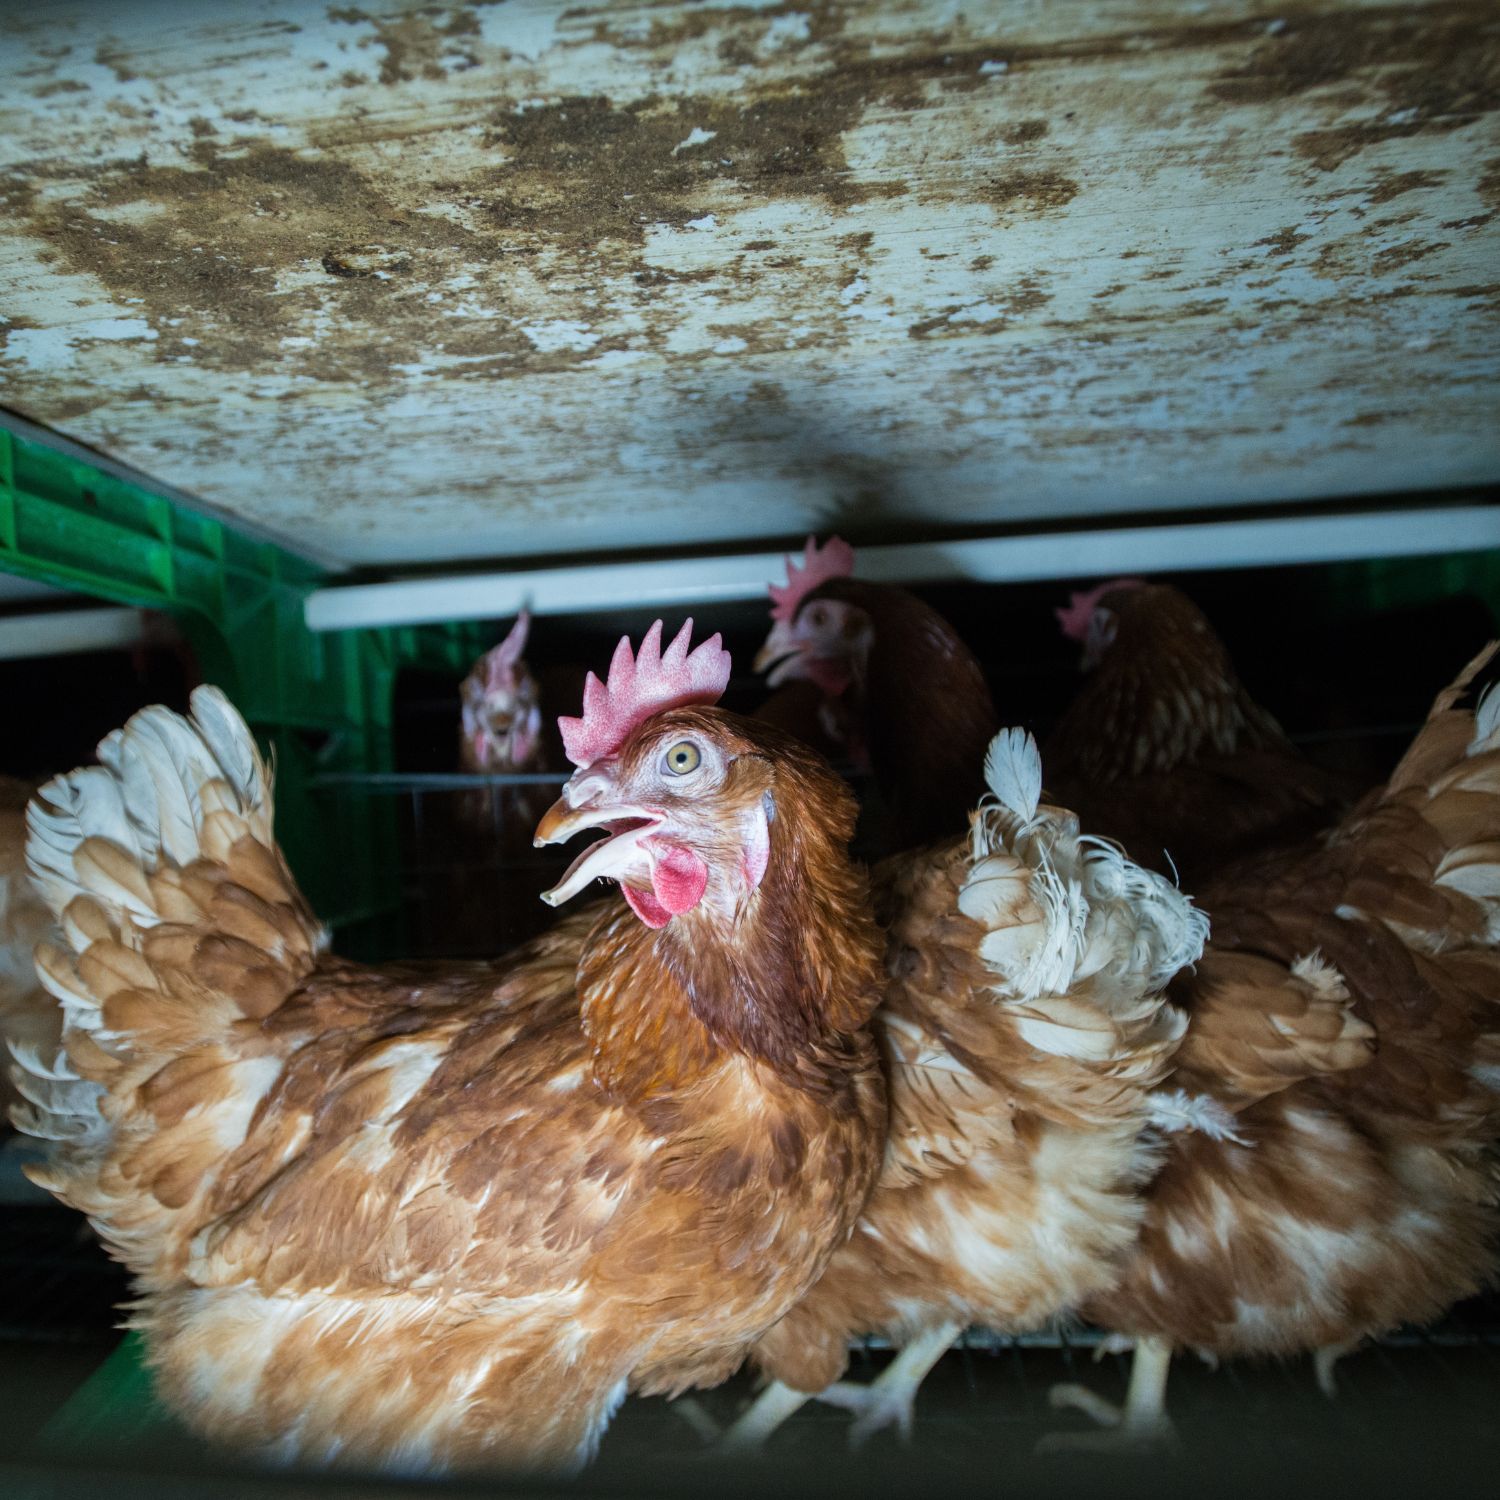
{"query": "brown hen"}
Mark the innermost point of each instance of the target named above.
(1164, 749)
(422, 1218)
(1025, 1028)
(1339, 1085)
(907, 695)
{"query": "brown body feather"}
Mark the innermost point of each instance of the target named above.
(804, 712)
(28, 1014)
(1346, 1015)
(1019, 1096)
(427, 1218)
(1165, 750)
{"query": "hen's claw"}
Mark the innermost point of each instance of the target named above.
(874, 1409)
(766, 1413)
(1122, 1431)
(1325, 1359)
(889, 1400)
(1090, 1403)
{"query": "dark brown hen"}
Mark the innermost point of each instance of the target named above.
(910, 697)
(1165, 750)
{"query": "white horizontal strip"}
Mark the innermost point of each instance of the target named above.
(60, 632)
(1013, 559)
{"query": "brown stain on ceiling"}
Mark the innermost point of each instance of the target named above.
(923, 233)
(582, 178)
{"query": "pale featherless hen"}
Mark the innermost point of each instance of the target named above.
(1345, 1020)
(1025, 1029)
(500, 721)
(473, 849)
(425, 1220)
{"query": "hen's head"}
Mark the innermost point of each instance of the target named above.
(686, 793)
(817, 633)
(1091, 617)
(502, 720)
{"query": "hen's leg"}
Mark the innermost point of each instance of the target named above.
(691, 1410)
(768, 1411)
(1143, 1419)
(888, 1400)
(1325, 1359)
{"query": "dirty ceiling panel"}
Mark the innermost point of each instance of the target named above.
(411, 282)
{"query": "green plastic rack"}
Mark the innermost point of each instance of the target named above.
(319, 703)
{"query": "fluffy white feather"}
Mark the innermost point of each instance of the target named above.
(159, 781)
(29, 1055)
(1486, 721)
(1175, 1110)
(1060, 908)
(1013, 771)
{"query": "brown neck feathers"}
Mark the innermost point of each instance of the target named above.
(789, 981)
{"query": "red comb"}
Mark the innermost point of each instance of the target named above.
(1074, 617)
(640, 685)
(835, 559)
(500, 661)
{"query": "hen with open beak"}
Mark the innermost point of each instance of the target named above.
(666, 780)
(592, 800)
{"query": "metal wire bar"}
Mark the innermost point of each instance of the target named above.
(384, 782)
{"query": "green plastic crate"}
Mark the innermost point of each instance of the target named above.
(318, 702)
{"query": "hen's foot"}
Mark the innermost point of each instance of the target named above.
(1139, 1425)
(693, 1413)
(1121, 1431)
(874, 1408)
(890, 1399)
(1325, 1359)
(766, 1413)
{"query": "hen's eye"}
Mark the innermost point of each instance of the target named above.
(681, 758)
(819, 617)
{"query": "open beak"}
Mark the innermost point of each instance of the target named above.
(782, 654)
(614, 856)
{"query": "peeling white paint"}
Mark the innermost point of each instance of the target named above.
(552, 337)
(977, 312)
(525, 29)
(697, 136)
(1093, 287)
(39, 350)
(788, 30)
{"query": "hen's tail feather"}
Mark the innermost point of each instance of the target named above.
(1415, 866)
(28, 1016)
(1081, 941)
(1451, 733)
(178, 921)
(1438, 825)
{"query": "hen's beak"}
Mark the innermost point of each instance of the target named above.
(782, 653)
(583, 805)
